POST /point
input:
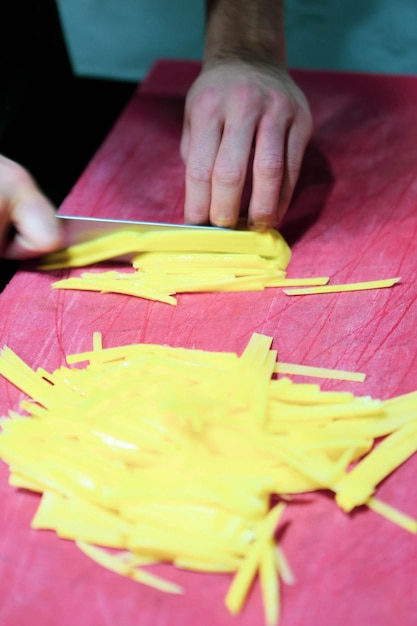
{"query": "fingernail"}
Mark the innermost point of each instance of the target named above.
(224, 221)
(260, 227)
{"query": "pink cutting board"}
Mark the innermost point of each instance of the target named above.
(353, 218)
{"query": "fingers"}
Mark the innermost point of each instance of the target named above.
(28, 226)
(201, 142)
(229, 110)
(36, 230)
(215, 174)
(297, 139)
(216, 145)
(229, 174)
(268, 171)
(280, 147)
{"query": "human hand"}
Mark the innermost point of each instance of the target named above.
(231, 108)
(28, 226)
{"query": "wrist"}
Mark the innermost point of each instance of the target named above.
(245, 30)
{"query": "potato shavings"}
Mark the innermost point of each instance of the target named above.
(269, 244)
(169, 262)
(160, 285)
(152, 454)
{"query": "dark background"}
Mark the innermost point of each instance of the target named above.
(51, 121)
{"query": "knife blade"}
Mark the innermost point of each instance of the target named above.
(81, 229)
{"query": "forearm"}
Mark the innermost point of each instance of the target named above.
(251, 30)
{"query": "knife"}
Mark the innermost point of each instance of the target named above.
(80, 229)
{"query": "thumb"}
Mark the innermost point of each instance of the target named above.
(35, 227)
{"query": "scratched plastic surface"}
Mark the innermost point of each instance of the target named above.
(354, 217)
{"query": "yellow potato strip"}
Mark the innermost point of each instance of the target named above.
(22, 376)
(111, 562)
(247, 571)
(318, 372)
(284, 569)
(393, 515)
(94, 251)
(75, 519)
(97, 341)
(358, 485)
(179, 262)
(269, 585)
(226, 566)
(372, 284)
(23, 482)
(106, 286)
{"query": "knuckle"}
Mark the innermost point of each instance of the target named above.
(199, 173)
(228, 174)
(269, 167)
(207, 101)
(247, 95)
(197, 216)
(281, 104)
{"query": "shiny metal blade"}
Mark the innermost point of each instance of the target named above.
(81, 229)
